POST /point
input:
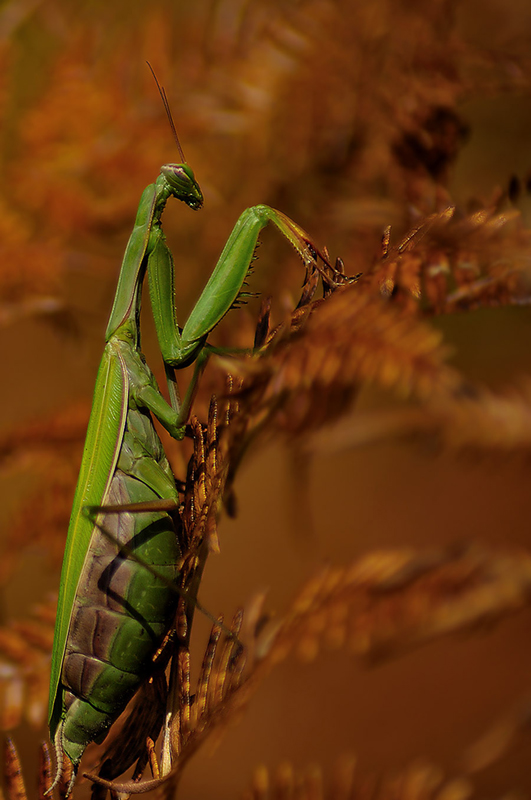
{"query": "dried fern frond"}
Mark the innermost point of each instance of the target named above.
(13, 772)
(491, 422)
(14, 779)
(45, 771)
(380, 606)
(205, 478)
(348, 117)
(49, 450)
(25, 648)
(31, 271)
(367, 334)
(484, 423)
(420, 780)
(391, 601)
(56, 433)
(309, 377)
(451, 262)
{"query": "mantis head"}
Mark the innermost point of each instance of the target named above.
(182, 184)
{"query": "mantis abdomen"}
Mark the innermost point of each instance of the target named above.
(122, 611)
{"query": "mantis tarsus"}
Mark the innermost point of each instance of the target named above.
(112, 612)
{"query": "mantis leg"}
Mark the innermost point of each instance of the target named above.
(146, 393)
(180, 348)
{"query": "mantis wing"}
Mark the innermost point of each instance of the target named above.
(102, 448)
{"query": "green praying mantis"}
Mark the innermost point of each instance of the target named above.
(114, 610)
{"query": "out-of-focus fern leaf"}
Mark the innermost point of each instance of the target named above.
(418, 780)
(25, 648)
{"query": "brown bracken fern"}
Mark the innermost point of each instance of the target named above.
(349, 117)
(418, 780)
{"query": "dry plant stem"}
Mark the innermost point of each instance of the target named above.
(201, 703)
(45, 770)
(13, 772)
(175, 705)
(153, 761)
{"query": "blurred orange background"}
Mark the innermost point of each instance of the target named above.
(279, 103)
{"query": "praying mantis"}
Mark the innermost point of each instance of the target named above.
(114, 610)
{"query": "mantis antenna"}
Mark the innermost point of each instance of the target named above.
(162, 93)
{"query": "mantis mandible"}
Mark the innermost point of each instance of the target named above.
(113, 612)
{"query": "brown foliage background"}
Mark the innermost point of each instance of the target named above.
(349, 117)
